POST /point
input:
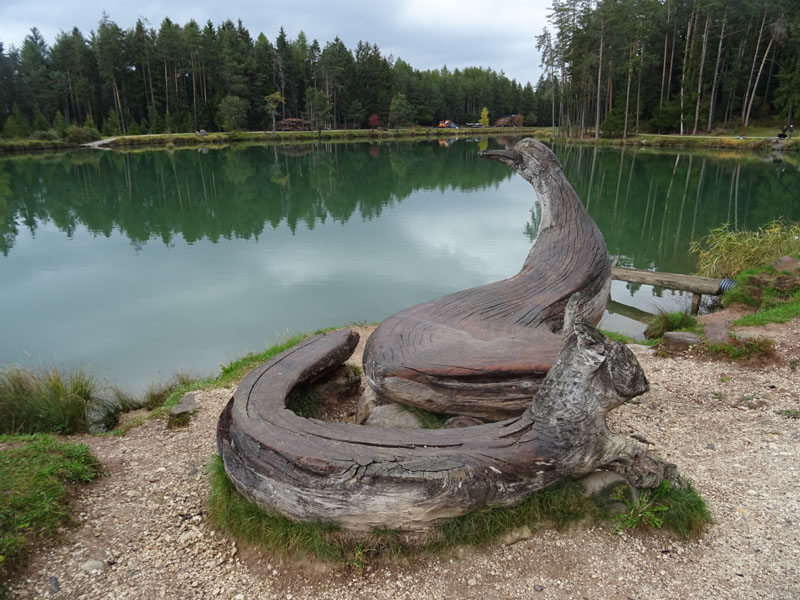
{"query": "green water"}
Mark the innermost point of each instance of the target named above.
(136, 264)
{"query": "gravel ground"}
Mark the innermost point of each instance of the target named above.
(144, 523)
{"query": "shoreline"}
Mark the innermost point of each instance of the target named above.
(221, 139)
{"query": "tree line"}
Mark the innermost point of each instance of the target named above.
(181, 78)
(668, 66)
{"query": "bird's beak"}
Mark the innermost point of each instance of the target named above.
(508, 156)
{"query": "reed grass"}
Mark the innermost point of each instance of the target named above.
(725, 252)
(51, 401)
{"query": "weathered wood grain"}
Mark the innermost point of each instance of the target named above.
(366, 477)
(484, 351)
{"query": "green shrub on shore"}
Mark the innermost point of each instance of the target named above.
(34, 473)
(49, 401)
(725, 252)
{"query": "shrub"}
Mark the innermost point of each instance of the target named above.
(81, 135)
(49, 135)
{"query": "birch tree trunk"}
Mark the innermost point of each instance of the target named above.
(755, 85)
(599, 80)
(700, 76)
(685, 62)
(628, 93)
(747, 92)
(715, 82)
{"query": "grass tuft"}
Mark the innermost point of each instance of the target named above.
(34, 473)
(743, 349)
(664, 322)
(48, 401)
(160, 393)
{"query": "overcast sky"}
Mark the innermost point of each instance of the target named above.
(428, 34)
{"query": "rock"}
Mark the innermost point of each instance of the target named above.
(461, 421)
(393, 415)
(93, 566)
(710, 446)
(517, 535)
(679, 341)
(538, 588)
(368, 402)
(745, 336)
(717, 333)
(601, 486)
(52, 583)
(786, 263)
(188, 535)
(183, 410)
(472, 582)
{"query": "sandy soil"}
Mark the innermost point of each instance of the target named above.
(724, 424)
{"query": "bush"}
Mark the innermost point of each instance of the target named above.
(50, 135)
(81, 135)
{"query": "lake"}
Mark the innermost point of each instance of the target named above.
(136, 264)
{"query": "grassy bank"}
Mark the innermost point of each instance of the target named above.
(757, 144)
(222, 138)
(35, 474)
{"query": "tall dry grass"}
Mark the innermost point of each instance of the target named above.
(725, 252)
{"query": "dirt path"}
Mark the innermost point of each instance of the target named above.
(720, 423)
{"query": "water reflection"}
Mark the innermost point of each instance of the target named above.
(650, 205)
(232, 193)
(142, 262)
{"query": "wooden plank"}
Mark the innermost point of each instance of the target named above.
(672, 281)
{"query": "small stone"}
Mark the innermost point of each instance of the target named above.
(184, 409)
(366, 404)
(517, 535)
(710, 446)
(601, 486)
(472, 582)
(538, 588)
(717, 333)
(188, 535)
(679, 341)
(92, 566)
(786, 263)
(461, 421)
(393, 416)
(193, 471)
(52, 583)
